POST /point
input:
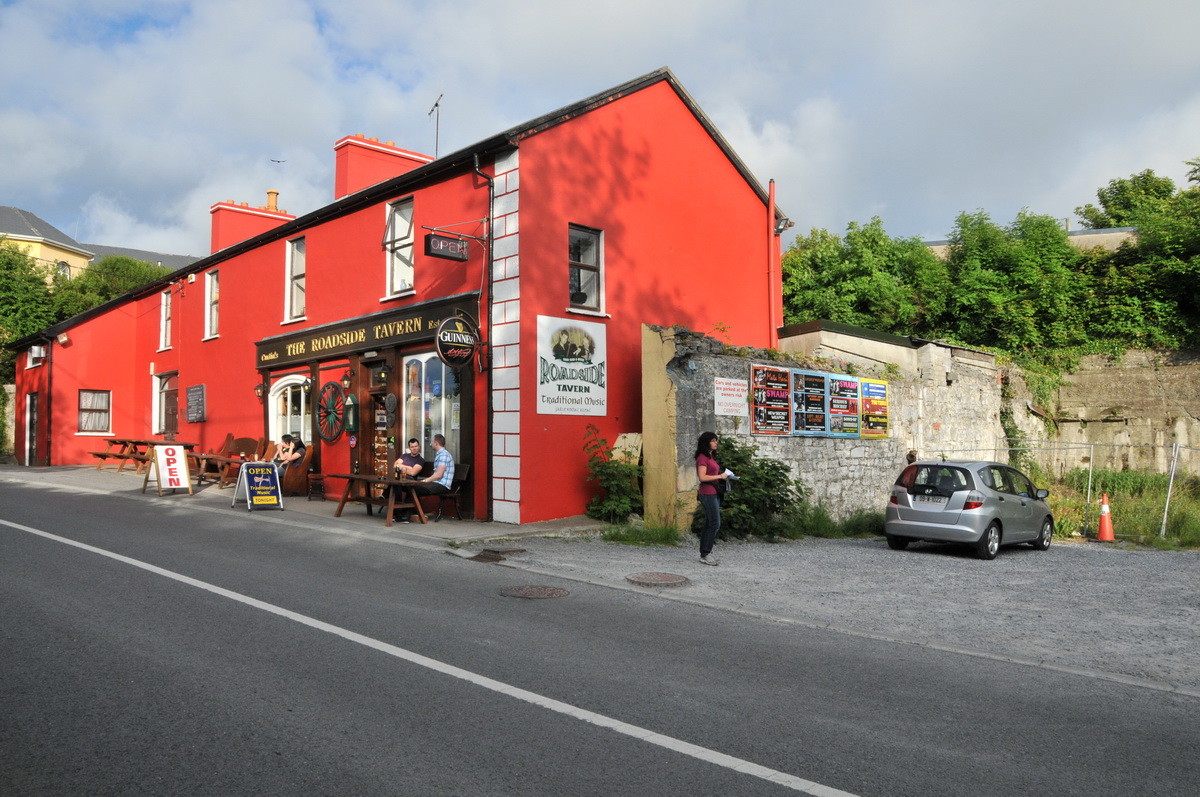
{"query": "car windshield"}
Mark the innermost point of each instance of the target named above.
(943, 478)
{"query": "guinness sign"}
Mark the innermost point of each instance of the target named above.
(456, 341)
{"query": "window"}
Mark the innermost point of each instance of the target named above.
(585, 268)
(398, 243)
(95, 411)
(164, 321)
(295, 280)
(432, 404)
(290, 409)
(212, 298)
(35, 356)
(166, 405)
(63, 269)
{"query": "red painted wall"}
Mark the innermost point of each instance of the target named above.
(685, 242)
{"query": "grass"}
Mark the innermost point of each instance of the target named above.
(1136, 502)
(642, 535)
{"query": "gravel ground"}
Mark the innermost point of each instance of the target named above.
(1098, 609)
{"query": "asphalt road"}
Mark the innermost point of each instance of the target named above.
(194, 652)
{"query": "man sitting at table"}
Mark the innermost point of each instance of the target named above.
(410, 464)
(438, 482)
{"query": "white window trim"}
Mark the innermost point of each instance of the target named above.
(156, 399)
(165, 320)
(104, 433)
(283, 383)
(601, 309)
(288, 318)
(389, 246)
(211, 279)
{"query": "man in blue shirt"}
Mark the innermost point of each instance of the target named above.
(438, 482)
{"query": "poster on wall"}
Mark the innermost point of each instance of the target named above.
(731, 397)
(572, 365)
(874, 408)
(843, 406)
(810, 410)
(771, 398)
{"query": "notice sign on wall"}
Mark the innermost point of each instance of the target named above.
(195, 403)
(874, 408)
(810, 410)
(770, 394)
(843, 406)
(731, 397)
(572, 367)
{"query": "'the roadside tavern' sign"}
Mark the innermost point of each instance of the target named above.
(258, 486)
(169, 464)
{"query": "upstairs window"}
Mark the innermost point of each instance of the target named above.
(164, 320)
(212, 298)
(95, 411)
(295, 281)
(398, 243)
(585, 269)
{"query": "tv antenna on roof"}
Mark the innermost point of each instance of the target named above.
(437, 121)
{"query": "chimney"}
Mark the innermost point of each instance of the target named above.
(361, 162)
(233, 223)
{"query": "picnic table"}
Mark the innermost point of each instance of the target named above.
(130, 449)
(360, 489)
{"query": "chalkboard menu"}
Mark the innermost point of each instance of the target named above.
(770, 390)
(195, 403)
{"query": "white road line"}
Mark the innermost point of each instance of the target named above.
(669, 742)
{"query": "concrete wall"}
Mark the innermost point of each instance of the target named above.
(1133, 409)
(943, 400)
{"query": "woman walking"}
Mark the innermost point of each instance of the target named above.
(709, 473)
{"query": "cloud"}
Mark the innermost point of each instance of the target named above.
(130, 118)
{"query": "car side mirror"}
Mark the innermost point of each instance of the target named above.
(1042, 493)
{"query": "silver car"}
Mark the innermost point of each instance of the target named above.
(983, 504)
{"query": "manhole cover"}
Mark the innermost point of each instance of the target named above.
(657, 580)
(534, 592)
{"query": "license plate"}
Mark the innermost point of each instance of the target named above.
(929, 499)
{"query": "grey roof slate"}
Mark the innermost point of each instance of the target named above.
(172, 262)
(15, 221)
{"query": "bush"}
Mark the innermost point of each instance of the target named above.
(761, 500)
(619, 480)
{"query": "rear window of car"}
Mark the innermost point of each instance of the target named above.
(944, 478)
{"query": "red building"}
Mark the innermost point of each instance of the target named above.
(625, 208)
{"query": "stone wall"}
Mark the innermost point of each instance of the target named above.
(1130, 410)
(943, 400)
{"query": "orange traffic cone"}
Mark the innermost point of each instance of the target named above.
(1106, 530)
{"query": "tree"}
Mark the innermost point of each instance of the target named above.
(25, 304)
(103, 281)
(1126, 199)
(867, 278)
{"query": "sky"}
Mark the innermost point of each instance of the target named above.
(123, 121)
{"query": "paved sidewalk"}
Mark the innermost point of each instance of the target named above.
(85, 478)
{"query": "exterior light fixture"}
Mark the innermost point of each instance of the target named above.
(783, 225)
(260, 390)
(347, 379)
(384, 373)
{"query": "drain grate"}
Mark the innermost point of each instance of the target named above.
(658, 580)
(534, 592)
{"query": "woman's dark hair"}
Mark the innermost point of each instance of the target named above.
(702, 445)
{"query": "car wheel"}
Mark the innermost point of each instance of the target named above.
(897, 543)
(1042, 542)
(989, 542)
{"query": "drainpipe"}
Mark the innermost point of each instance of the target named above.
(772, 259)
(486, 317)
(49, 398)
